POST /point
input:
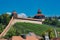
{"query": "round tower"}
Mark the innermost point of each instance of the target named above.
(14, 14)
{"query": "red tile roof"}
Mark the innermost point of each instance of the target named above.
(3, 39)
(55, 39)
(27, 38)
(31, 38)
(17, 38)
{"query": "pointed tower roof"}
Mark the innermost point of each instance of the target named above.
(39, 15)
(14, 14)
(39, 11)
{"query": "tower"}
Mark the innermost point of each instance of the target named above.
(39, 15)
(14, 14)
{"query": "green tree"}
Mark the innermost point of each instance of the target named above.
(51, 21)
(58, 24)
(54, 21)
(5, 18)
(50, 32)
(11, 32)
(1, 27)
(47, 21)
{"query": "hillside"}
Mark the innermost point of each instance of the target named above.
(24, 28)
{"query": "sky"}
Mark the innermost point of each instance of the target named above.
(30, 7)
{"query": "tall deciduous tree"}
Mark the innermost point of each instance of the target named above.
(5, 18)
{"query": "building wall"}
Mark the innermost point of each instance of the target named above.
(28, 21)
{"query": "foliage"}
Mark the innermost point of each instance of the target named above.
(11, 32)
(1, 27)
(51, 33)
(5, 18)
(58, 24)
(51, 21)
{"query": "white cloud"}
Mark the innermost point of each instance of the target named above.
(22, 15)
(9, 13)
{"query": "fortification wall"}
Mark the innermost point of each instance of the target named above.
(7, 28)
(13, 21)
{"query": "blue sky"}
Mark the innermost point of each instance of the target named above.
(30, 7)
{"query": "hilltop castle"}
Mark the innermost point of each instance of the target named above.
(39, 15)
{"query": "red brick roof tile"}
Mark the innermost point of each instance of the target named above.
(31, 38)
(17, 38)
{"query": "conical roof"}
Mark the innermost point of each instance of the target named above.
(39, 11)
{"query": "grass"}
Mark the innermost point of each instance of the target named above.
(23, 28)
